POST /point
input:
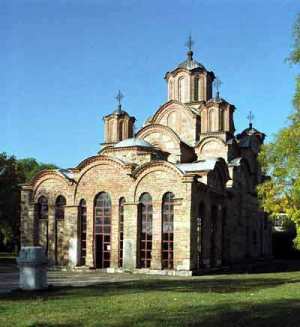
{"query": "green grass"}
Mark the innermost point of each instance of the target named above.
(269, 300)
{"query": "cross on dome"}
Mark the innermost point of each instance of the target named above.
(189, 44)
(217, 83)
(250, 118)
(119, 98)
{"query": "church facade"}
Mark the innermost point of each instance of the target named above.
(176, 197)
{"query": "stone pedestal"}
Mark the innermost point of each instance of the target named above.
(32, 263)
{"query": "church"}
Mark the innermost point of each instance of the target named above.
(176, 197)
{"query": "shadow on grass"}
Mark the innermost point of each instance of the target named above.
(108, 289)
(274, 314)
(285, 313)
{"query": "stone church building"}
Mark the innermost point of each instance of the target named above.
(176, 197)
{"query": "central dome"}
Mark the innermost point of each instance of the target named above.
(133, 142)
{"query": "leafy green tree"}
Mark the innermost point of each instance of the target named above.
(14, 172)
(281, 158)
(30, 167)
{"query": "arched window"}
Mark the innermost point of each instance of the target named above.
(200, 229)
(121, 230)
(168, 231)
(196, 88)
(42, 224)
(222, 118)
(181, 89)
(145, 227)
(42, 208)
(60, 208)
(82, 230)
(59, 230)
(102, 230)
(121, 124)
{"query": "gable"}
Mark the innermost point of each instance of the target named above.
(180, 118)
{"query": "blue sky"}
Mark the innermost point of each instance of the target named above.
(62, 63)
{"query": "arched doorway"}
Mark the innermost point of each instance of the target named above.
(145, 230)
(102, 230)
(59, 230)
(168, 231)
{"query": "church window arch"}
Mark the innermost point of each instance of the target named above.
(60, 207)
(196, 88)
(82, 231)
(59, 229)
(168, 231)
(42, 208)
(102, 230)
(222, 120)
(145, 230)
(42, 223)
(121, 125)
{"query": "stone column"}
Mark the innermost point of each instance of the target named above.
(182, 229)
(156, 236)
(90, 234)
(130, 243)
(114, 241)
(28, 227)
(71, 242)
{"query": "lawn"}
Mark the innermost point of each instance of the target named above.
(269, 300)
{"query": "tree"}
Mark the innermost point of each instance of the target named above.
(14, 172)
(280, 159)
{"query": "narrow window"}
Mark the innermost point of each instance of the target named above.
(42, 223)
(42, 208)
(59, 230)
(82, 231)
(121, 230)
(168, 231)
(60, 208)
(145, 227)
(196, 88)
(102, 230)
(222, 120)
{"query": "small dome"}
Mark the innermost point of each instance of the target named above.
(133, 142)
(190, 64)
